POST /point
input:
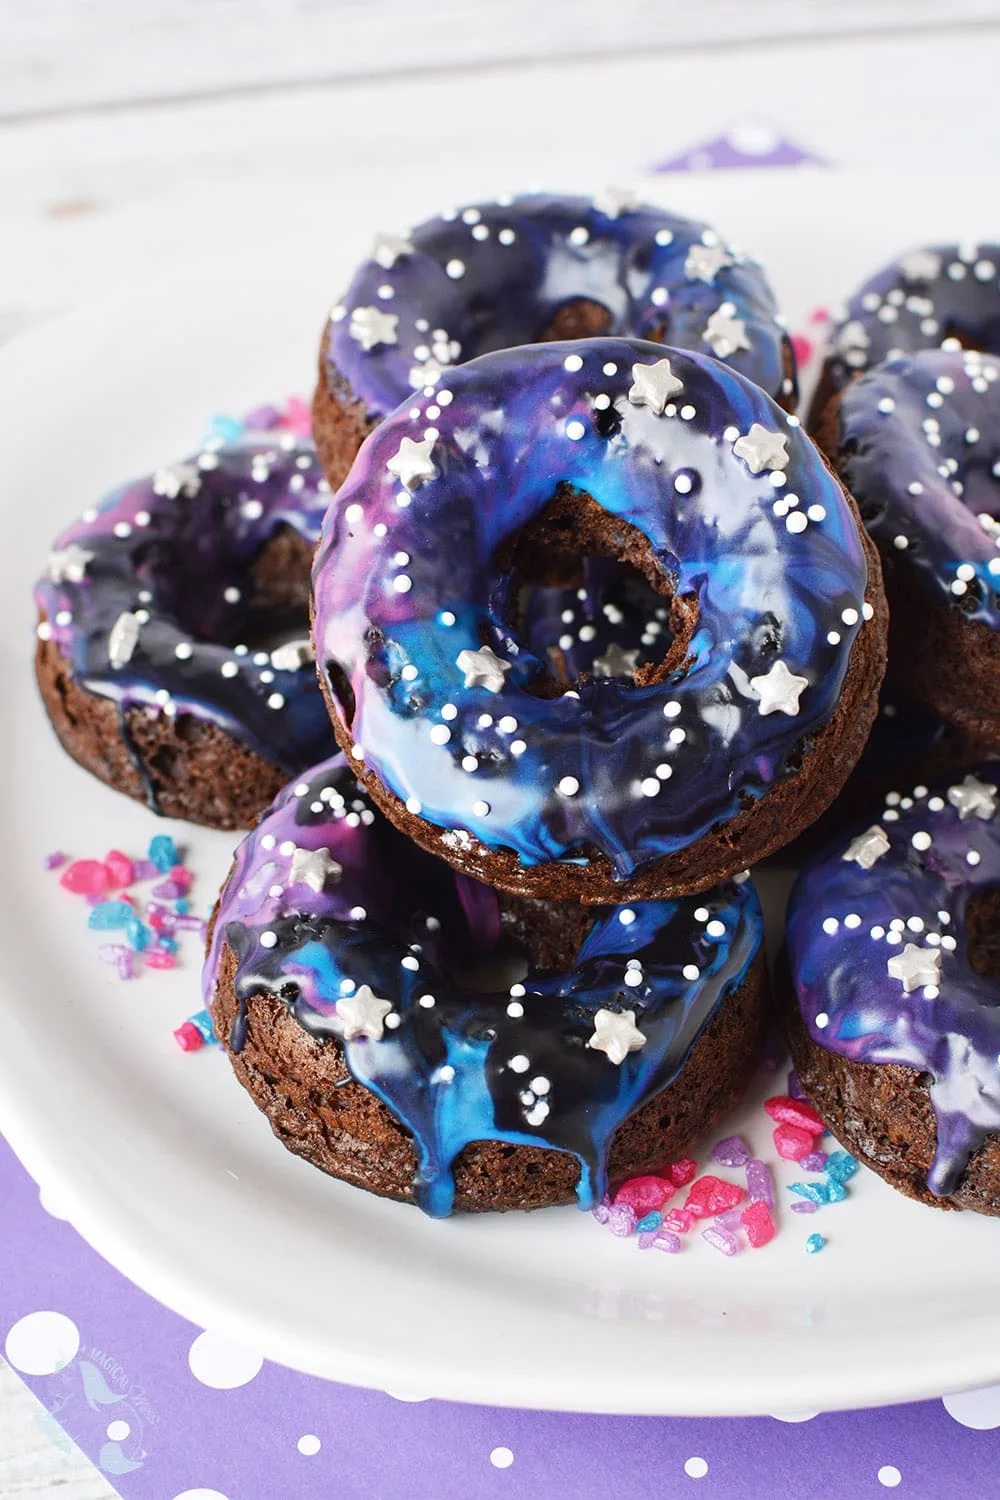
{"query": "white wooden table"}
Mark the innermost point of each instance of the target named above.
(136, 137)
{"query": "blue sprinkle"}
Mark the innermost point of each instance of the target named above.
(137, 934)
(816, 1192)
(841, 1166)
(652, 1220)
(226, 428)
(167, 942)
(108, 914)
(203, 1021)
(836, 1191)
(182, 906)
(814, 1244)
(163, 853)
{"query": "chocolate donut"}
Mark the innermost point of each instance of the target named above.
(894, 1013)
(643, 780)
(917, 442)
(521, 270)
(173, 650)
(936, 295)
(338, 979)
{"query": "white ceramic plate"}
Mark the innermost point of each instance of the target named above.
(162, 1161)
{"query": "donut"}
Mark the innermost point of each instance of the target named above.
(936, 295)
(630, 784)
(337, 977)
(173, 652)
(894, 964)
(917, 441)
(523, 270)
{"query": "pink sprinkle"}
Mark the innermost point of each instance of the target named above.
(760, 1183)
(791, 1142)
(121, 871)
(643, 1194)
(819, 315)
(722, 1240)
(54, 860)
(85, 877)
(659, 1239)
(804, 1206)
(188, 1037)
(181, 875)
(711, 1195)
(794, 1112)
(731, 1152)
(758, 1224)
(682, 1172)
(679, 1219)
(297, 418)
(802, 346)
(621, 1220)
(160, 958)
(815, 1161)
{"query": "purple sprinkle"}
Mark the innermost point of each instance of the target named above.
(660, 1239)
(804, 1206)
(601, 1209)
(262, 419)
(732, 1219)
(110, 953)
(168, 890)
(191, 924)
(721, 1240)
(731, 1152)
(144, 869)
(815, 1161)
(793, 1087)
(760, 1183)
(126, 965)
(621, 1220)
(54, 860)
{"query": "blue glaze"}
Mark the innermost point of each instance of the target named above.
(850, 1002)
(403, 923)
(919, 447)
(404, 583)
(919, 301)
(176, 550)
(494, 275)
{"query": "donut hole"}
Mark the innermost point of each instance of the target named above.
(982, 932)
(580, 318)
(543, 936)
(589, 598)
(260, 606)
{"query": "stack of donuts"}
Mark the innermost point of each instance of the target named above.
(557, 626)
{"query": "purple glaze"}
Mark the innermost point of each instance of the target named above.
(920, 301)
(494, 275)
(406, 583)
(878, 953)
(388, 928)
(147, 596)
(919, 445)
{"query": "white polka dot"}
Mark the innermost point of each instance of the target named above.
(978, 1409)
(309, 1444)
(501, 1458)
(118, 1431)
(42, 1343)
(201, 1495)
(222, 1364)
(889, 1475)
(695, 1468)
(794, 1416)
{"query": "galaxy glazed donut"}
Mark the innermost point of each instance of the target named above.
(895, 965)
(173, 650)
(917, 442)
(334, 976)
(631, 783)
(940, 294)
(528, 269)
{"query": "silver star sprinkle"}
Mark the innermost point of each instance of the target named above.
(973, 799)
(653, 386)
(779, 690)
(177, 479)
(725, 333)
(69, 564)
(388, 248)
(411, 464)
(616, 662)
(483, 668)
(314, 867)
(921, 265)
(292, 655)
(761, 449)
(616, 1035)
(868, 847)
(370, 326)
(705, 261)
(362, 1014)
(915, 967)
(122, 639)
(614, 201)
